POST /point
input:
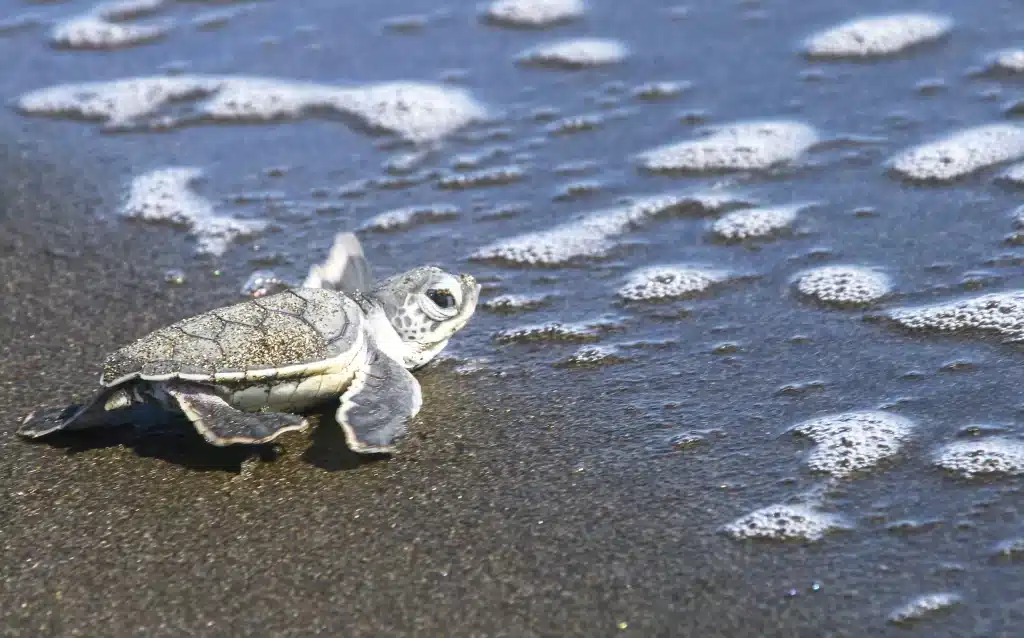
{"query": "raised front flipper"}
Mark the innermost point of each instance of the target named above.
(221, 424)
(376, 408)
(345, 269)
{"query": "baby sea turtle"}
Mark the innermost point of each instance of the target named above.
(245, 373)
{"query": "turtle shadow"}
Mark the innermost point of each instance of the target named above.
(328, 449)
(153, 433)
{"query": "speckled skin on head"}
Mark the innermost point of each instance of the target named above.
(245, 373)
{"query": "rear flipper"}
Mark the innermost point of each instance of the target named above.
(221, 424)
(94, 414)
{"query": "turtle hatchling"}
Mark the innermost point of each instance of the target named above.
(244, 374)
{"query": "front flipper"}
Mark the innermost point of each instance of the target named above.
(345, 269)
(96, 413)
(377, 406)
(221, 424)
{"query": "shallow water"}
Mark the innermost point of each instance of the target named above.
(544, 490)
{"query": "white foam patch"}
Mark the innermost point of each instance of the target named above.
(660, 90)
(575, 54)
(753, 145)
(410, 216)
(534, 13)
(166, 195)
(851, 442)
(756, 223)
(103, 27)
(593, 235)
(995, 455)
(516, 302)
(1001, 313)
(670, 281)
(961, 153)
(924, 606)
(594, 355)
(416, 111)
(877, 35)
(1014, 175)
(558, 331)
(491, 176)
(844, 285)
(781, 522)
(1007, 61)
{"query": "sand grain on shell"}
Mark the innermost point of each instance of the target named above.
(755, 145)
(166, 195)
(961, 153)
(877, 35)
(416, 111)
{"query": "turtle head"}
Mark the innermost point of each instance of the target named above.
(426, 306)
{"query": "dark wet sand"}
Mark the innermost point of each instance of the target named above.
(508, 528)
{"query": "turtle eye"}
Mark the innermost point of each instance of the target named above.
(442, 298)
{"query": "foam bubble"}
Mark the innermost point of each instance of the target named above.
(961, 153)
(1006, 61)
(668, 281)
(262, 283)
(102, 26)
(516, 303)
(575, 124)
(410, 216)
(1013, 174)
(493, 176)
(781, 522)
(923, 607)
(995, 455)
(559, 331)
(844, 285)
(594, 355)
(755, 223)
(166, 195)
(752, 145)
(592, 235)
(660, 90)
(534, 13)
(1010, 550)
(577, 190)
(850, 442)
(1001, 312)
(575, 54)
(877, 35)
(416, 111)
